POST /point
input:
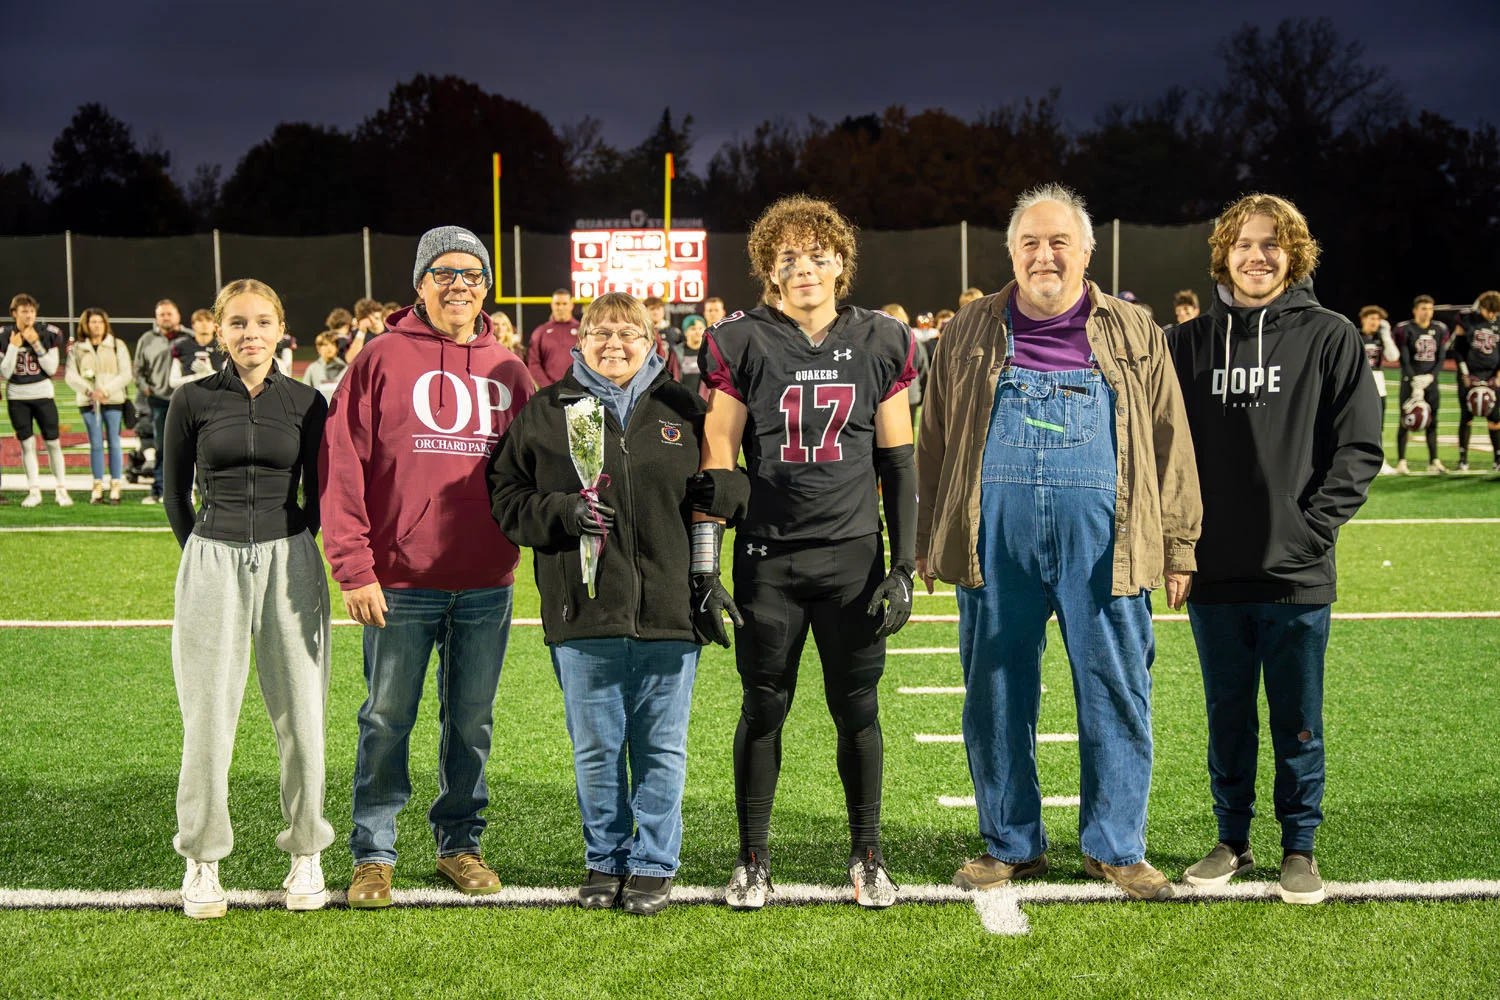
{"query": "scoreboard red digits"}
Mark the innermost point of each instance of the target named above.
(643, 262)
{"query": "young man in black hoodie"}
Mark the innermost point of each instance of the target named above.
(1286, 428)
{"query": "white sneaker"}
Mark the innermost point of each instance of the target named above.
(63, 500)
(873, 887)
(33, 499)
(149, 499)
(1402, 469)
(304, 885)
(1436, 467)
(748, 885)
(202, 896)
(1463, 466)
(1387, 469)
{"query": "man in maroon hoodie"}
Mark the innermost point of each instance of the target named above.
(549, 349)
(408, 532)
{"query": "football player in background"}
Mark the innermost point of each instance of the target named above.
(1476, 348)
(1375, 331)
(815, 394)
(1422, 344)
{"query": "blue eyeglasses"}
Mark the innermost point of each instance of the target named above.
(445, 276)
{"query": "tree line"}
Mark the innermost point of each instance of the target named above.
(1404, 200)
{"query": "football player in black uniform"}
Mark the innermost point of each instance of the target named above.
(1476, 348)
(32, 354)
(1375, 331)
(815, 394)
(1422, 344)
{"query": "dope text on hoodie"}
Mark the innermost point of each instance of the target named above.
(1286, 428)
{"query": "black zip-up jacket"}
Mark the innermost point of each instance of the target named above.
(642, 589)
(1286, 428)
(251, 456)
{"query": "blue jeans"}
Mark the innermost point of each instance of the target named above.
(97, 429)
(469, 629)
(627, 702)
(159, 409)
(1236, 642)
(1046, 543)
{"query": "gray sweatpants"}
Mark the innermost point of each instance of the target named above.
(230, 594)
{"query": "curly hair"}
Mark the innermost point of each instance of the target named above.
(801, 221)
(1488, 301)
(1291, 233)
(1373, 311)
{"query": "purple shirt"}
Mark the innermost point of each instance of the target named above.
(1051, 345)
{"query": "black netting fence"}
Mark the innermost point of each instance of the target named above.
(924, 270)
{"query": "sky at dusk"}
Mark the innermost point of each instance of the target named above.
(208, 81)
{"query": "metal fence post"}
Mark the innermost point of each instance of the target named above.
(68, 255)
(963, 254)
(1114, 262)
(218, 266)
(368, 287)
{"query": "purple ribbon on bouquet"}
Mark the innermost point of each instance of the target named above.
(591, 494)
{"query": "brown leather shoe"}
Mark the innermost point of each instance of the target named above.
(469, 874)
(1140, 880)
(370, 889)
(986, 872)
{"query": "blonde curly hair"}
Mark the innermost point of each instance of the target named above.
(1291, 233)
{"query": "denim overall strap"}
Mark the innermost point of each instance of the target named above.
(1045, 545)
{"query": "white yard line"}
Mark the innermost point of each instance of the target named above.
(958, 737)
(999, 910)
(1355, 616)
(967, 801)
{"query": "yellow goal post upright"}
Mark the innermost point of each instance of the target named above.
(518, 300)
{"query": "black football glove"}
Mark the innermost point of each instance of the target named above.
(710, 601)
(895, 594)
(590, 518)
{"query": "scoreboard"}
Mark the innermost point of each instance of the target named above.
(644, 262)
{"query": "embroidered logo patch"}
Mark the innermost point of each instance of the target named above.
(670, 434)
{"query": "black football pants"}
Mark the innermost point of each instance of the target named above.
(783, 590)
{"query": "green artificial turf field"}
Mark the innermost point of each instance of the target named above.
(90, 741)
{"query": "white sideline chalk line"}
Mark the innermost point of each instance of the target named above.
(967, 801)
(940, 690)
(958, 737)
(163, 529)
(1353, 616)
(999, 909)
(50, 528)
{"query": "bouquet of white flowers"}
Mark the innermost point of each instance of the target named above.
(585, 420)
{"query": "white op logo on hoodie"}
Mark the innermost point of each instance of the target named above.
(462, 416)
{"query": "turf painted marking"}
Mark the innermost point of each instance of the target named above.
(10, 530)
(1353, 616)
(967, 801)
(958, 737)
(940, 690)
(999, 909)
(1423, 520)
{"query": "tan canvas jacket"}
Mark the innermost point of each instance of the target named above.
(1158, 513)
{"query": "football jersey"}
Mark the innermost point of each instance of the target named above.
(1374, 348)
(187, 350)
(1422, 350)
(1479, 347)
(28, 358)
(809, 438)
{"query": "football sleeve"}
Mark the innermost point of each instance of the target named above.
(908, 369)
(717, 372)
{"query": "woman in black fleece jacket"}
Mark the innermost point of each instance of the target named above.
(626, 658)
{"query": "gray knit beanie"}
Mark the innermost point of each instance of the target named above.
(447, 239)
